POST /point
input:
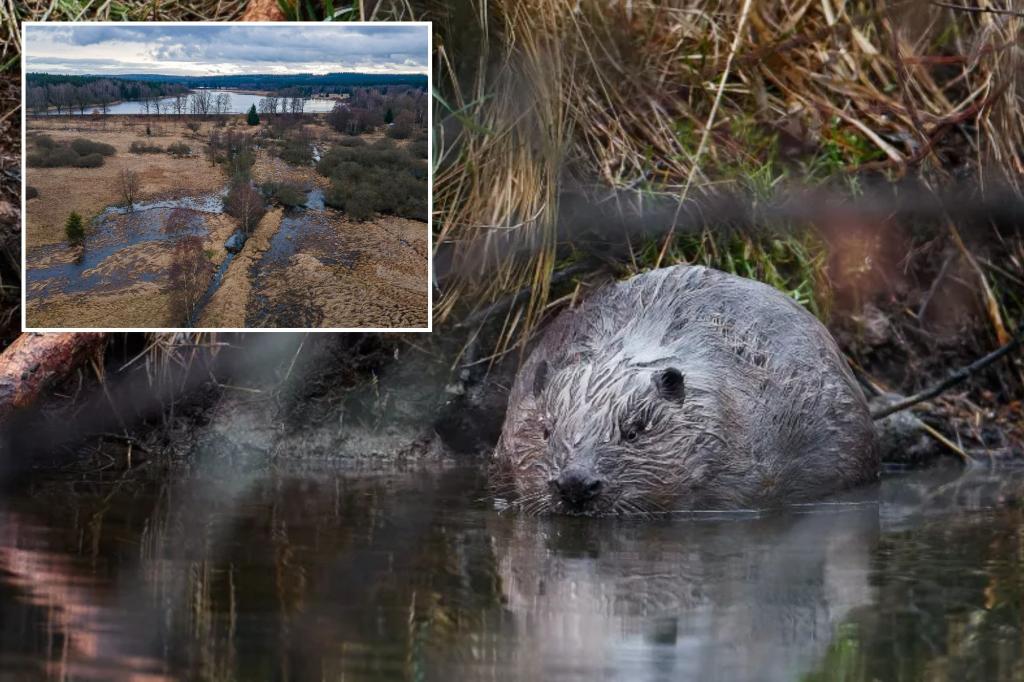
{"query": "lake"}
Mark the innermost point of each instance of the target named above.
(240, 103)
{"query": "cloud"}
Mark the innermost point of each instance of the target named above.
(204, 49)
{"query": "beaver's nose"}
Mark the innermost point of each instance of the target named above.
(577, 488)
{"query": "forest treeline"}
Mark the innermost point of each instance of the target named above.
(68, 94)
(329, 82)
(83, 94)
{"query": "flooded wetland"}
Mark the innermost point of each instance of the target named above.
(304, 264)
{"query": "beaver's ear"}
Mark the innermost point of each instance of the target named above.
(540, 378)
(670, 384)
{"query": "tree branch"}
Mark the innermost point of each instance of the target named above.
(953, 379)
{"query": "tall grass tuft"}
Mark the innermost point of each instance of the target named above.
(698, 98)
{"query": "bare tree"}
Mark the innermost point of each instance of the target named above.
(180, 103)
(245, 204)
(201, 102)
(128, 184)
(212, 147)
(223, 103)
(267, 105)
(35, 98)
(190, 275)
(298, 104)
(340, 118)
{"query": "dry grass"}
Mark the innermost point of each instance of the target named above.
(130, 10)
(697, 98)
(89, 190)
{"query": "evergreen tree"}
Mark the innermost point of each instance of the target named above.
(252, 119)
(389, 116)
(74, 229)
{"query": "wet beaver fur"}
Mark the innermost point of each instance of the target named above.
(679, 389)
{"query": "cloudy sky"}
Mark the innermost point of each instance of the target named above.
(227, 49)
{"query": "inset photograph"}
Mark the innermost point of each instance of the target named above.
(227, 176)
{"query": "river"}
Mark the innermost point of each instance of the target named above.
(231, 571)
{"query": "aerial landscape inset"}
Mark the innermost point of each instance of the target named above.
(226, 176)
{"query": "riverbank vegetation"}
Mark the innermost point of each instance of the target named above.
(860, 159)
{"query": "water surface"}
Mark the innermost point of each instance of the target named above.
(235, 571)
(240, 103)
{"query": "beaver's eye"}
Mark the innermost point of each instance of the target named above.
(632, 432)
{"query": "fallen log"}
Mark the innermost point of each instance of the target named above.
(35, 361)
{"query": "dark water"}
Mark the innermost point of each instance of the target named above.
(232, 572)
(113, 230)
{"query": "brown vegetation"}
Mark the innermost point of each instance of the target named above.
(90, 190)
(189, 276)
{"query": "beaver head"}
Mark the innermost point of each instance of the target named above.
(609, 436)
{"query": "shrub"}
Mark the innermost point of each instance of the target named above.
(31, 192)
(357, 173)
(297, 152)
(352, 141)
(420, 149)
(289, 195)
(89, 161)
(36, 160)
(74, 229)
(399, 131)
(359, 201)
(179, 150)
(193, 126)
(58, 156)
(84, 147)
(144, 148)
(360, 204)
(45, 142)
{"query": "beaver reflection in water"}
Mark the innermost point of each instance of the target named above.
(679, 389)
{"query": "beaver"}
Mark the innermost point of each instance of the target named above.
(683, 388)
